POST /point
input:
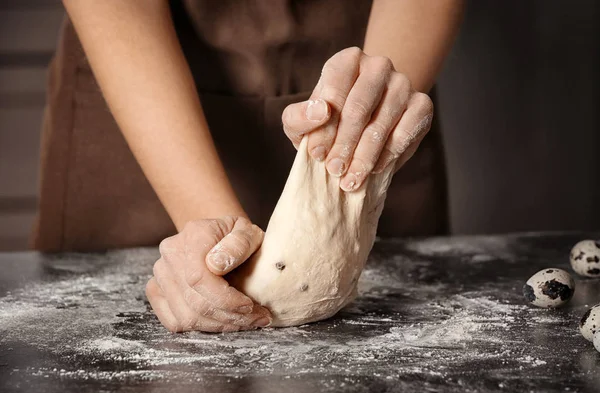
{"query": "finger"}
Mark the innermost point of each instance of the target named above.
(160, 306)
(199, 285)
(374, 137)
(171, 291)
(411, 129)
(337, 78)
(202, 302)
(207, 295)
(235, 247)
(187, 311)
(363, 99)
(303, 117)
(408, 153)
(189, 264)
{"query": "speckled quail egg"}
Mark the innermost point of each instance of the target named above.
(590, 322)
(585, 258)
(597, 341)
(549, 288)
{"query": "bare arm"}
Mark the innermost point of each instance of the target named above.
(138, 62)
(415, 34)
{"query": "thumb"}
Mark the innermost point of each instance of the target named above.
(304, 117)
(235, 247)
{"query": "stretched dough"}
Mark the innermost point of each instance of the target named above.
(316, 244)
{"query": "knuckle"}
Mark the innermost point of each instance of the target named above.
(401, 82)
(285, 116)
(241, 241)
(193, 226)
(392, 149)
(152, 289)
(159, 268)
(227, 223)
(423, 102)
(217, 226)
(332, 64)
(358, 110)
(400, 142)
(243, 221)
(381, 64)
(257, 231)
(334, 96)
(167, 246)
(343, 60)
(352, 52)
(213, 225)
(389, 115)
(196, 277)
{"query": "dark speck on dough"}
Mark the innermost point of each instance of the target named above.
(549, 271)
(593, 259)
(528, 293)
(303, 287)
(580, 256)
(554, 289)
(280, 265)
(585, 317)
(597, 243)
(594, 272)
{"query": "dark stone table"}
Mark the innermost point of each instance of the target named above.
(441, 314)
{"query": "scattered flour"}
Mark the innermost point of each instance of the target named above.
(394, 329)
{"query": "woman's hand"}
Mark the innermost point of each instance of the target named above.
(362, 116)
(187, 291)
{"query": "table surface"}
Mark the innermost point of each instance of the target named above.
(439, 314)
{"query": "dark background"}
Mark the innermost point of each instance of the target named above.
(518, 101)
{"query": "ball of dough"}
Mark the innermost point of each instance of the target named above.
(549, 288)
(315, 246)
(585, 258)
(590, 322)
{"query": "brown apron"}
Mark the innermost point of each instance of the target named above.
(250, 59)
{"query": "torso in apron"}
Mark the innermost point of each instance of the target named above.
(250, 59)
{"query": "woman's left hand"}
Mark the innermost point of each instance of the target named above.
(362, 116)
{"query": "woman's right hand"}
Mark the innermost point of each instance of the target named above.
(188, 292)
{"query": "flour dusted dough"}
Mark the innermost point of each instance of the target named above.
(316, 244)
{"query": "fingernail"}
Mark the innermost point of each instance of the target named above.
(349, 182)
(220, 261)
(336, 167)
(318, 153)
(263, 322)
(317, 110)
(245, 309)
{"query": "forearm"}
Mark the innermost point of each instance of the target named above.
(415, 34)
(133, 50)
